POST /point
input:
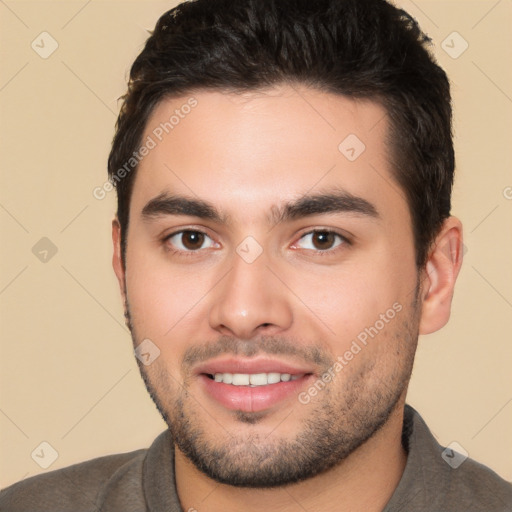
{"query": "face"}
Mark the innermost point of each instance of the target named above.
(270, 261)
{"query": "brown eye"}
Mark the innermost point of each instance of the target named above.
(321, 240)
(189, 240)
(192, 240)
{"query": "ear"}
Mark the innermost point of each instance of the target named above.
(117, 258)
(439, 276)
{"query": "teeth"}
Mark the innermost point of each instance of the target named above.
(239, 379)
(254, 379)
(273, 378)
(258, 379)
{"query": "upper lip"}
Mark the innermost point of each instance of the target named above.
(251, 366)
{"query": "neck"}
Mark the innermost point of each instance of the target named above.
(365, 480)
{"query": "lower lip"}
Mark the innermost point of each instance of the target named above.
(252, 399)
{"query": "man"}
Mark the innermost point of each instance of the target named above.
(283, 234)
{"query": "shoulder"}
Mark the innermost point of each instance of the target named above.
(441, 479)
(78, 487)
(475, 485)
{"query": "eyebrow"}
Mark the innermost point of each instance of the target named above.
(304, 206)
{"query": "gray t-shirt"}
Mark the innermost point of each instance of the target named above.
(143, 481)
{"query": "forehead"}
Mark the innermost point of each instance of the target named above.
(249, 152)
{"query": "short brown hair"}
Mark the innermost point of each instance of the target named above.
(356, 48)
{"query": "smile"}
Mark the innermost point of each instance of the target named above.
(254, 379)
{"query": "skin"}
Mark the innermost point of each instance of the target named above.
(248, 154)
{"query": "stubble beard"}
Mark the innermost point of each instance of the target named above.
(348, 412)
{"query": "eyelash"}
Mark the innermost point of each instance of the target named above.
(192, 253)
(327, 252)
(181, 252)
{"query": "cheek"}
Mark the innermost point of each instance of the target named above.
(163, 300)
(344, 300)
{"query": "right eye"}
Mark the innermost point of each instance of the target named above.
(188, 240)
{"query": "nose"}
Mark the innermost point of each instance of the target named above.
(250, 301)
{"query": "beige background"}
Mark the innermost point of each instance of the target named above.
(68, 376)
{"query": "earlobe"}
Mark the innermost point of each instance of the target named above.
(117, 257)
(440, 274)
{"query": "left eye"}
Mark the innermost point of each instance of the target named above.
(321, 240)
(189, 240)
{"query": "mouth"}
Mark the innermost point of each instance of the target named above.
(252, 385)
(254, 379)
